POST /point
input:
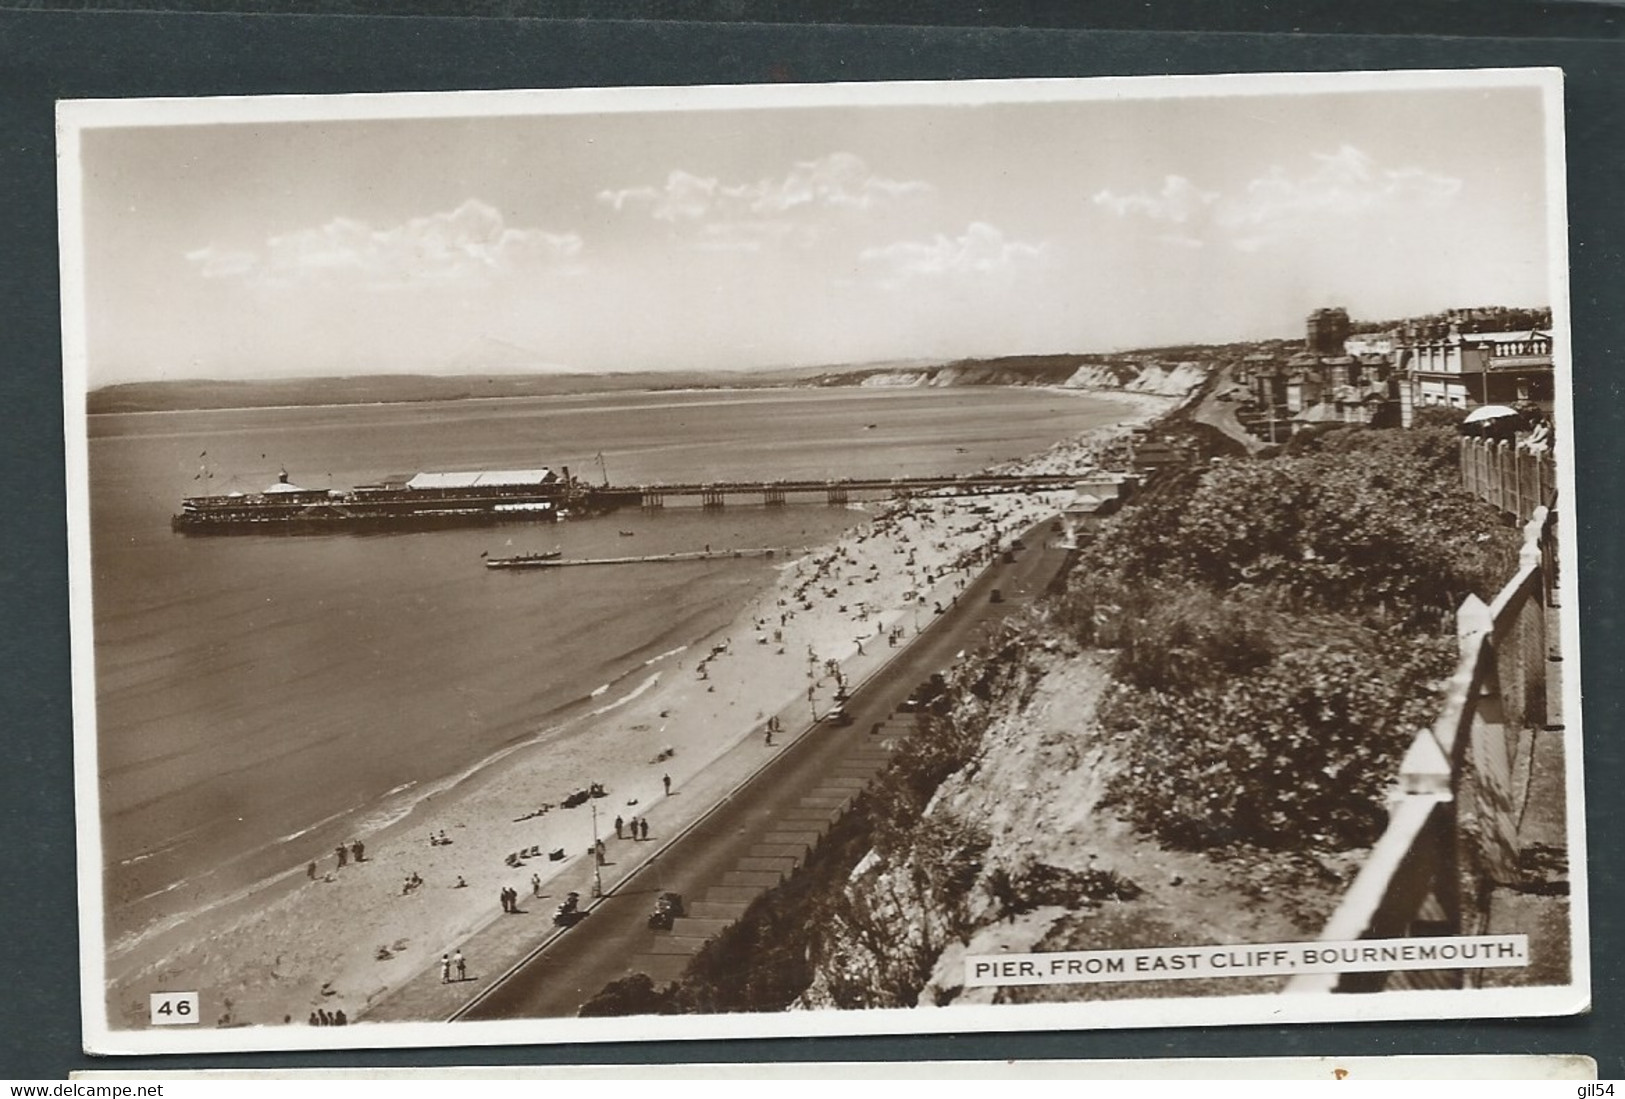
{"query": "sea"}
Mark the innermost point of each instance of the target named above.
(261, 698)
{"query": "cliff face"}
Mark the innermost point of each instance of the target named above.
(1162, 379)
(1020, 850)
(1159, 378)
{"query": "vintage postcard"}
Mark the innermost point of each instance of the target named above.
(742, 561)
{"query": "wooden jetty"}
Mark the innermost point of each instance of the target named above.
(535, 562)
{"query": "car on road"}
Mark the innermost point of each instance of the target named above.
(668, 907)
(838, 715)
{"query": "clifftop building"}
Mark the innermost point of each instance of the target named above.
(1445, 367)
(1328, 382)
(1327, 329)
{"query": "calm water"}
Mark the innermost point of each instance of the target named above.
(263, 697)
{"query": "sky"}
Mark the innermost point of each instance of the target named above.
(762, 236)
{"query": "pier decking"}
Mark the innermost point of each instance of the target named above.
(714, 494)
(641, 559)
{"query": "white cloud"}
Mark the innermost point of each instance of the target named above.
(1342, 185)
(1179, 202)
(755, 236)
(214, 262)
(440, 247)
(752, 214)
(982, 250)
(1279, 206)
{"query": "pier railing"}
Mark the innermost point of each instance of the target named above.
(1453, 816)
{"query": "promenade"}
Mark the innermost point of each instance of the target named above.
(768, 806)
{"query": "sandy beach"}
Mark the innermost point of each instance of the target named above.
(341, 937)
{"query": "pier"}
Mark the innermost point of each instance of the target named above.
(716, 494)
(531, 562)
(479, 499)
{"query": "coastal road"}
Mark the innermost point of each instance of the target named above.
(614, 940)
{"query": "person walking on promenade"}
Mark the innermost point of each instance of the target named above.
(461, 964)
(619, 825)
(666, 779)
(445, 969)
(535, 885)
(643, 828)
(506, 904)
(633, 825)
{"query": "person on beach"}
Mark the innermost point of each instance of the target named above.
(445, 969)
(343, 853)
(666, 780)
(462, 965)
(310, 871)
(356, 849)
(461, 884)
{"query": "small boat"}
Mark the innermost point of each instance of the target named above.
(519, 561)
(628, 533)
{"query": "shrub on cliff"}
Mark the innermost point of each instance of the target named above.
(1297, 754)
(632, 995)
(1280, 627)
(879, 938)
(1372, 523)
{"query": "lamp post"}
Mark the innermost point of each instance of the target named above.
(597, 863)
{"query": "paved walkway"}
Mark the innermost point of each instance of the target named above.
(1537, 902)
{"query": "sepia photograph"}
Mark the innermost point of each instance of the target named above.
(821, 559)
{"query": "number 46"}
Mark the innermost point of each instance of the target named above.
(173, 1008)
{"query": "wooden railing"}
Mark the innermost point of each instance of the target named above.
(1511, 477)
(1452, 824)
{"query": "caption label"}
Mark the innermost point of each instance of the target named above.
(173, 1008)
(1250, 960)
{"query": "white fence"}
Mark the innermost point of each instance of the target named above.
(1452, 827)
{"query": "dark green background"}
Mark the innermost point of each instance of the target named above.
(73, 51)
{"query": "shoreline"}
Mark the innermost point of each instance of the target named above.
(293, 943)
(594, 393)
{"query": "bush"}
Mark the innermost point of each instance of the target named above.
(1280, 625)
(1296, 755)
(1033, 884)
(1182, 636)
(1371, 523)
(633, 995)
